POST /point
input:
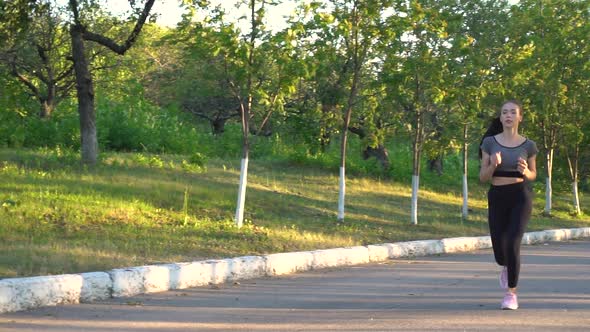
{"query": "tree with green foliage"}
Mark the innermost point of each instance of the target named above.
(80, 34)
(374, 120)
(575, 141)
(352, 29)
(38, 58)
(416, 75)
(158, 59)
(331, 72)
(256, 67)
(575, 137)
(473, 73)
(196, 76)
(15, 18)
(547, 33)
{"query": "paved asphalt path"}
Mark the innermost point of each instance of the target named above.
(457, 292)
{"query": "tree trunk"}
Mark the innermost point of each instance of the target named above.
(85, 93)
(380, 153)
(218, 126)
(417, 146)
(245, 110)
(325, 127)
(342, 182)
(415, 186)
(347, 116)
(48, 103)
(239, 220)
(46, 109)
(572, 161)
(577, 210)
(465, 209)
(245, 113)
(436, 165)
(548, 187)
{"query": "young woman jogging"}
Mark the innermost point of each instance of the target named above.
(508, 161)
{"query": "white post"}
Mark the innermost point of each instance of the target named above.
(465, 210)
(341, 194)
(548, 196)
(242, 193)
(576, 198)
(415, 184)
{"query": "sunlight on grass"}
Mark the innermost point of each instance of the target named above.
(133, 209)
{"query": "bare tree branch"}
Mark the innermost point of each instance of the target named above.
(34, 90)
(111, 44)
(74, 8)
(45, 62)
(66, 73)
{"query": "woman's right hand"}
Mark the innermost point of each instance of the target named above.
(496, 159)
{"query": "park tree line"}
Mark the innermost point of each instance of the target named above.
(433, 72)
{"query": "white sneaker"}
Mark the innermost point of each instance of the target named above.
(510, 302)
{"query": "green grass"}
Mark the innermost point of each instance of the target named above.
(133, 209)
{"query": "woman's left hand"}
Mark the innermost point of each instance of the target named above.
(522, 166)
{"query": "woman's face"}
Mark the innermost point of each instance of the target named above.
(510, 115)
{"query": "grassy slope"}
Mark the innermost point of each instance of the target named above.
(57, 217)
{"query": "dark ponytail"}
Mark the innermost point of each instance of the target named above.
(494, 129)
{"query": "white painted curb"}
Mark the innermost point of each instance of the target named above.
(139, 280)
(27, 293)
(289, 262)
(192, 274)
(462, 244)
(96, 286)
(247, 267)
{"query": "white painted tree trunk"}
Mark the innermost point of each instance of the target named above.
(415, 185)
(548, 195)
(239, 220)
(576, 198)
(548, 189)
(465, 210)
(342, 193)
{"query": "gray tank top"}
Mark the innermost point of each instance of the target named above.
(510, 155)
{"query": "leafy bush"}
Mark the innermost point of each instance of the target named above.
(198, 159)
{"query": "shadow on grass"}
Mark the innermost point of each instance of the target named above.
(291, 204)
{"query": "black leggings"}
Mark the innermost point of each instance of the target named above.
(509, 211)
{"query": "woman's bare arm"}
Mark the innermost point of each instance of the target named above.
(488, 165)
